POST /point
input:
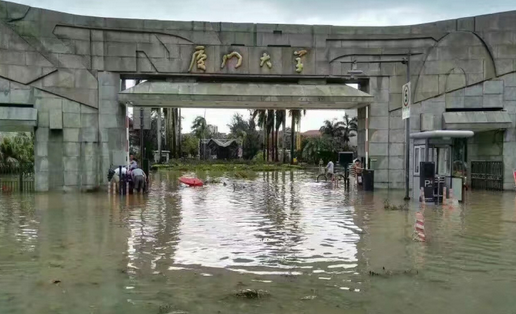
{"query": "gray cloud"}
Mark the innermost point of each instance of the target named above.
(337, 12)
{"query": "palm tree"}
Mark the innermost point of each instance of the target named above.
(262, 120)
(313, 147)
(280, 120)
(332, 128)
(200, 128)
(270, 129)
(349, 128)
(296, 117)
(172, 126)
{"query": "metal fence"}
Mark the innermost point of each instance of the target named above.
(487, 175)
(16, 178)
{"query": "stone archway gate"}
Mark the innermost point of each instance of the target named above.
(69, 68)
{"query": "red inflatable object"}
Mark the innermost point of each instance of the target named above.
(191, 181)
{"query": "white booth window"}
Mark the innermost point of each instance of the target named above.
(419, 155)
(443, 168)
(417, 151)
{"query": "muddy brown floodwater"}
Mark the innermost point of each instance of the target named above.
(308, 247)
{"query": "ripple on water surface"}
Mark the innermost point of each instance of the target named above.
(310, 246)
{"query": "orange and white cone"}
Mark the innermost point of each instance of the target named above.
(420, 227)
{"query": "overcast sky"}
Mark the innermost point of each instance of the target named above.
(333, 12)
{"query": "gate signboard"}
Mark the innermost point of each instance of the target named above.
(405, 101)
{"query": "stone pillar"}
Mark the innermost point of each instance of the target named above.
(379, 130)
(509, 144)
(112, 126)
(49, 154)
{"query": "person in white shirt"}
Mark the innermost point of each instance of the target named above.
(329, 169)
(114, 176)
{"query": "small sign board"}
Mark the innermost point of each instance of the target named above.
(137, 118)
(405, 101)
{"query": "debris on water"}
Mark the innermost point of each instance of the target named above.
(55, 264)
(308, 297)
(388, 206)
(252, 294)
(167, 309)
(389, 273)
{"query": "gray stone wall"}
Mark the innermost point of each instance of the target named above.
(67, 144)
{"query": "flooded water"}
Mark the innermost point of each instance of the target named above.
(312, 248)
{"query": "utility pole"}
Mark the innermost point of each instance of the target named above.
(159, 134)
(179, 146)
(407, 139)
(141, 135)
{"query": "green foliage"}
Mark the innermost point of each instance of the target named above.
(349, 128)
(220, 166)
(189, 145)
(245, 174)
(245, 132)
(238, 128)
(258, 157)
(319, 148)
(335, 137)
(18, 149)
(200, 128)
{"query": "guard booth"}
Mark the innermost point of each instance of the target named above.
(439, 161)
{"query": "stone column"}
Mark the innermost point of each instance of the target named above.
(379, 130)
(111, 124)
(509, 144)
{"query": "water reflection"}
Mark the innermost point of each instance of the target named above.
(310, 245)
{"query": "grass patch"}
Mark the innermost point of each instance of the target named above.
(245, 174)
(237, 167)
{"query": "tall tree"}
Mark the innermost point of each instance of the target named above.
(261, 115)
(200, 127)
(270, 131)
(280, 118)
(238, 127)
(317, 148)
(245, 132)
(295, 118)
(251, 145)
(190, 145)
(349, 128)
(332, 128)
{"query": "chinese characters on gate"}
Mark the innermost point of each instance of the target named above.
(199, 57)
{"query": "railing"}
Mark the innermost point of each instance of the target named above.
(16, 177)
(487, 175)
